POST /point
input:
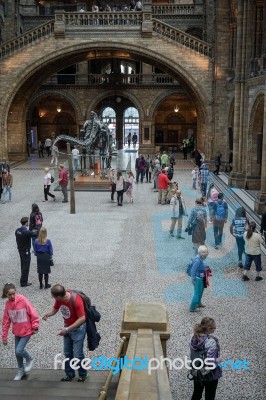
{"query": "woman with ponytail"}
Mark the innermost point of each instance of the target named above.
(203, 340)
(253, 240)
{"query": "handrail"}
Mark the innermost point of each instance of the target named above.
(105, 388)
(26, 38)
(103, 18)
(182, 38)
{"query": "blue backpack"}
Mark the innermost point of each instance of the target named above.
(189, 267)
(220, 213)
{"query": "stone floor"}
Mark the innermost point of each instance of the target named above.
(124, 254)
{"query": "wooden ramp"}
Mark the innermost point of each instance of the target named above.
(44, 384)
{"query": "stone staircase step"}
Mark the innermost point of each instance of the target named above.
(46, 384)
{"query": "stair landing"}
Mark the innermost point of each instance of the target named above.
(44, 384)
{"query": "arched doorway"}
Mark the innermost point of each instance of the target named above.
(131, 124)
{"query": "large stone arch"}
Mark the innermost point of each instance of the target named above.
(28, 78)
(255, 128)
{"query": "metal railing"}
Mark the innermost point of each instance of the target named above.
(104, 391)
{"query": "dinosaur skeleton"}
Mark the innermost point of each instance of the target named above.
(97, 135)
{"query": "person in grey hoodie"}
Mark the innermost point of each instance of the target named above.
(202, 339)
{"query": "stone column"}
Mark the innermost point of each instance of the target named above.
(237, 177)
(261, 196)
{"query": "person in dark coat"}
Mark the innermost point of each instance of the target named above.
(263, 224)
(43, 250)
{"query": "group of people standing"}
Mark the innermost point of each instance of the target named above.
(6, 184)
(121, 185)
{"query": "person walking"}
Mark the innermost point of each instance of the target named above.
(55, 155)
(156, 172)
(7, 185)
(178, 207)
(63, 182)
(203, 339)
(218, 163)
(25, 322)
(119, 187)
(212, 196)
(253, 241)
(23, 239)
(140, 167)
(197, 224)
(47, 185)
(112, 184)
(163, 182)
(47, 145)
(40, 149)
(74, 330)
(134, 140)
(75, 156)
(130, 180)
(36, 220)
(129, 140)
(197, 275)
(237, 229)
(204, 179)
(43, 250)
(194, 174)
(147, 167)
(219, 218)
(150, 170)
(164, 159)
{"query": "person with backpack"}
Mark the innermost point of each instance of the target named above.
(47, 184)
(74, 330)
(197, 274)
(204, 345)
(219, 218)
(197, 224)
(43, 250)
(25, 322)
(36, 220)
(253, 242)
(237, 229)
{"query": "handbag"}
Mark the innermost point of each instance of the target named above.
(51, 263)
(125, 185)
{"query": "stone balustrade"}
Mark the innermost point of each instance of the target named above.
(34, 35)
(182, 38)
(103, 18)
(147, 327)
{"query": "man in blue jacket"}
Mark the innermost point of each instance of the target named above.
(197, 275)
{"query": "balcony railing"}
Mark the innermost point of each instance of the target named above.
(112, 79)
(257, 66)
(103, 19)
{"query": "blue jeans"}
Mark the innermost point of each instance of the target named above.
(7, 193)
(20, 344)
(73, 348)
(240, 247)
(198, 292)
(203, 189)
(218, 227)
(257, 260)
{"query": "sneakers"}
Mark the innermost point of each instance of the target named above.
(180, 237)
(245, 278)
(47, 286)
(171, 234)
(240, 264)
(82, 378)
(216, 247)
(65, 201)
(28, 366)
(66, 379)
(258, 278)
(19, 375)
(201, 305)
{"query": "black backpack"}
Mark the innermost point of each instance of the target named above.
(201, 375)
(92, 316)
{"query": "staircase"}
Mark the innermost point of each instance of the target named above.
(44, 384)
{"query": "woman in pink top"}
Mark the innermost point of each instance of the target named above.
(25, 322)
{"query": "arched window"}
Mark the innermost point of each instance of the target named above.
(131, 122)
(108, 116)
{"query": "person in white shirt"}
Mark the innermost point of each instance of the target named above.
(47, 145)
(75, 156)
(253, 242)
(55, 154)
(194, 174)
(47, 184)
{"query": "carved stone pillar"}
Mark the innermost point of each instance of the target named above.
(261, 196)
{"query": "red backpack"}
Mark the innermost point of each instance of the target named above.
(38, 220)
